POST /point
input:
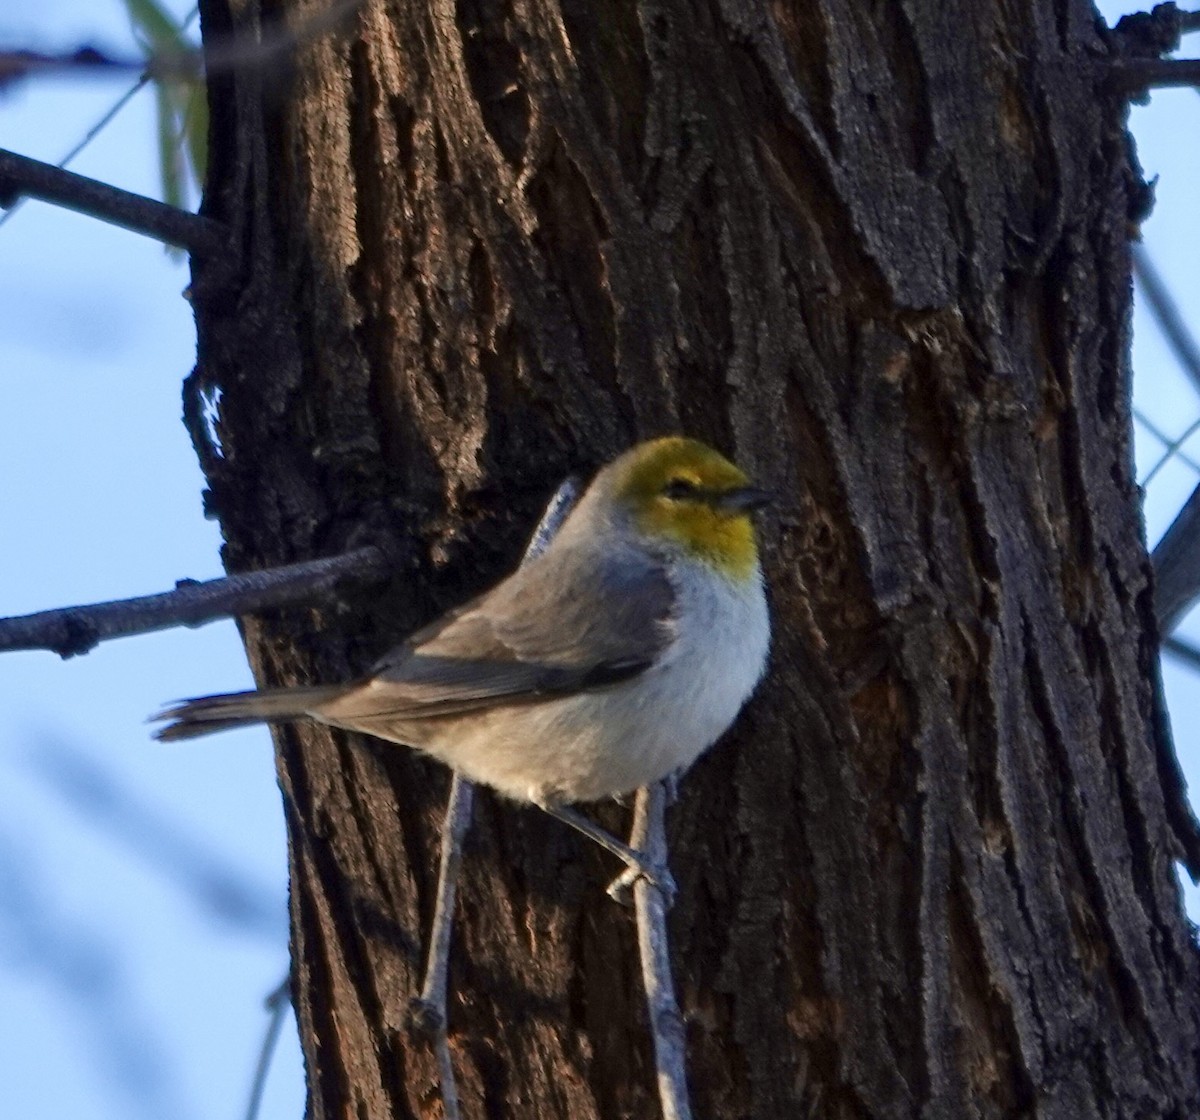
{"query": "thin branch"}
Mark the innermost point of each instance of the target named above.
(73, 630)
(20, 175)
(429, 1008)
(1172, 447)
(277, 1005)
(238, 51)
(105, 119)
(1176, 560)
(666, 1022)
(1134, 76)
(24, 64)
(88, 136)
(1184, 651)
(1167, 314)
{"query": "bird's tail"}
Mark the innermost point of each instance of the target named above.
(207, 714)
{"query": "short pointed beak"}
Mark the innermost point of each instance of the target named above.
(747, 498)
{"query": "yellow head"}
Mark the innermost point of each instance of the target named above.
(682, 491)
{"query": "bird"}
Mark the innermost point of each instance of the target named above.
(613, 659)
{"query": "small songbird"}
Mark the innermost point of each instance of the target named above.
(611, 660)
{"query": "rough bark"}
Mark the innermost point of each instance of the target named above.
(879, 254)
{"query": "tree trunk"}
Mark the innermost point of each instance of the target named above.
(878, 253)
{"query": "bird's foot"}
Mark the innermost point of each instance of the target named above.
(638, 866)
(425, 1016)
(657, 875)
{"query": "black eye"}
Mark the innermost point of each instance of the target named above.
(680, 489)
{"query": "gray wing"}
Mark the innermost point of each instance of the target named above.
(542, 632)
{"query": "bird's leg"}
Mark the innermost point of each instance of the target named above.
(639, 866)
(429, 1008)
(621, 887)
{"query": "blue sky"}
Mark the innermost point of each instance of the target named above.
(134, 959)
(136, 947)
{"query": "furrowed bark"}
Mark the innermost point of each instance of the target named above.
(881, 257)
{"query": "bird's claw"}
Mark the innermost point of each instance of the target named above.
(657, 875)
(425, 1017)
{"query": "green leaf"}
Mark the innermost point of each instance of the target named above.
(195, 135)
(160, 35)
(168, 147)
(181, 105)
(155, 28)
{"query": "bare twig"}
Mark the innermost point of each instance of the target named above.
(238, 51)
(73, 630)
(105, 119)
(430, 1006)
(1134, 76)
(1184, 651)
(1176, 560)
(1172, 446)
(1177, 556)
(277, 1005)
(16, 64)
(88, 136)
(1167, 314)
(20, 176)
(666, 1023)
(1172, 449)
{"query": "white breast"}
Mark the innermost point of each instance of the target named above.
(613, 740)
